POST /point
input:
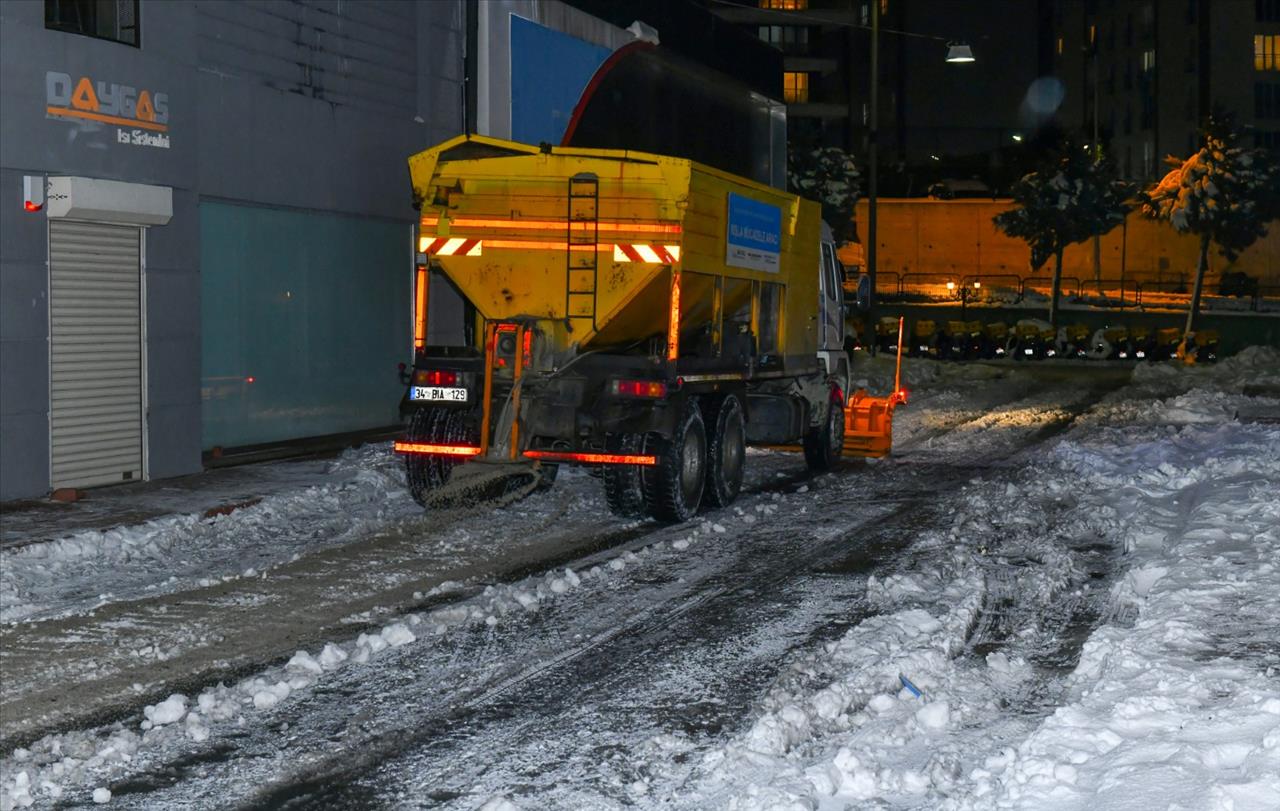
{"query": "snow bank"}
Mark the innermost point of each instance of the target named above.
(1175, 698)
(363, 488)
(1188, 698)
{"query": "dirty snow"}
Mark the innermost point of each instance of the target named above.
(962, 689)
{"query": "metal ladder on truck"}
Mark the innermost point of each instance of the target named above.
(582, 260)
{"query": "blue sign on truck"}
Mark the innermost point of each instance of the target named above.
(754, 238)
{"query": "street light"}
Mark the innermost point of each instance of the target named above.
(959, 53)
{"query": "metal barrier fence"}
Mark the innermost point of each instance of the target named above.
(1103, 293)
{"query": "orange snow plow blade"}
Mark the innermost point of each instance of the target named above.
(868, 421)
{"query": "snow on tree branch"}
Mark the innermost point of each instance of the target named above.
(1222, 192)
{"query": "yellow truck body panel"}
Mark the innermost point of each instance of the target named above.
(529, 242)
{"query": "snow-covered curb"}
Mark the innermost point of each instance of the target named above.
(89, 568)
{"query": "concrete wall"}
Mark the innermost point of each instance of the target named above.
(957, 238)
(310, 105)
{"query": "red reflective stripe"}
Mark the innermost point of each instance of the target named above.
(467, 245)
(435, 245)
(631, 253)
(439, 450)
(664, 254)
(592, 458)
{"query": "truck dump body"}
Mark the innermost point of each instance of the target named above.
(608, 247)
(648, 315)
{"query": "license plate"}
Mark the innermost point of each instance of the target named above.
(438, 393)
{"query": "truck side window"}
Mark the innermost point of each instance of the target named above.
(829, 279)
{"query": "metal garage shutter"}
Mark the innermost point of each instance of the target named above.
(95, 304)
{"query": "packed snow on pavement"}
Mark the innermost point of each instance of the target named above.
(1150, 530)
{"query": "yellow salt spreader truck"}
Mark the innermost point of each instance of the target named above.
(644, 315)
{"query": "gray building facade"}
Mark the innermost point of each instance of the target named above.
(270, 299)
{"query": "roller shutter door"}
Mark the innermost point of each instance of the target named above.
(95, 303)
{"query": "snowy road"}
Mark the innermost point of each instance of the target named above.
(753, 659)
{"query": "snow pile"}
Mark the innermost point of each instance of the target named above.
(83, 570)
(1188, 698)
(1175, 695)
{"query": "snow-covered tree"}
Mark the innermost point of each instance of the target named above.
(827, 175)
(1069, 199)
(1223, 193)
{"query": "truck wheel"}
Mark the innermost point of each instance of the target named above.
(622, 488)
(673, 488)
(823, 444)
(726, 452)
(425, 473)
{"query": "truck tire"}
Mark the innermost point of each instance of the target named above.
(726, 451)
(622, 488)
(673, 488)
(824, 443)
(425, 473)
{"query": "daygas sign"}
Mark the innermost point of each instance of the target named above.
(142, 115)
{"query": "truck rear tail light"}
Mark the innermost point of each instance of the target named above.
(639, 388)
(435, 377)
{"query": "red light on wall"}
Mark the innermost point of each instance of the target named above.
(250, 379)
(33, 187)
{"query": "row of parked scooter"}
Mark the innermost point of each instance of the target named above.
(1033, 339)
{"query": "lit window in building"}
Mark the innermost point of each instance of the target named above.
(785, 5)
(1059, 46)
(795, 88)
(1093, 35)
(1266, 52)
(1148, 59)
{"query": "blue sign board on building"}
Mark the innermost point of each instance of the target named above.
(754, 238)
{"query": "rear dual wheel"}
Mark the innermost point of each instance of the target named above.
(693, 468)
(673, 488)
(434, 426)
(623, 491)
(726, 451)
